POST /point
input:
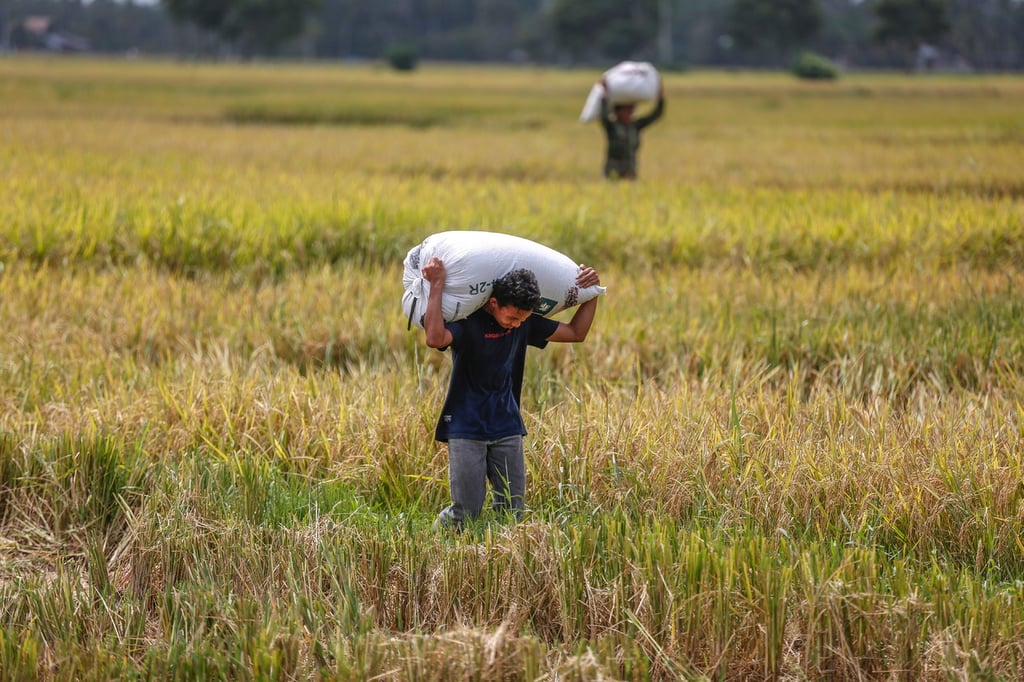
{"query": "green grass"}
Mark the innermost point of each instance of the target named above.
(789, 449)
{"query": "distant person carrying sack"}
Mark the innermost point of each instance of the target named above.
(613, 101)
(623, 133)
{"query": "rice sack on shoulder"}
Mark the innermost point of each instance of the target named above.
(474, 259)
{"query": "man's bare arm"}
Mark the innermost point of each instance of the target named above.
(576, 329)
(438, 335)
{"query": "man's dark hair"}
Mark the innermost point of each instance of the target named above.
(518, 288)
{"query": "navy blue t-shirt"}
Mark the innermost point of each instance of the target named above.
(487, 376)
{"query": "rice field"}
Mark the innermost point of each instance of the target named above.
(792, 447)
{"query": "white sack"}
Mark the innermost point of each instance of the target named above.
(592, 107)
(473, 260)
(628, 83)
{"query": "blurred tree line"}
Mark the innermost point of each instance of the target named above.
(976, 34)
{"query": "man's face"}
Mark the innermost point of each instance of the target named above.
(508, 316)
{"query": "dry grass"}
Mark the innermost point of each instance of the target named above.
(791, 448)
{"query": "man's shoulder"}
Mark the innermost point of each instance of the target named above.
(475, 320)
(541, 326)
(474, 326)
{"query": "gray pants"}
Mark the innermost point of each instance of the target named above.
(471, 463)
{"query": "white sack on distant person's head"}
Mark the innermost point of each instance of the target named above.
(628, 83)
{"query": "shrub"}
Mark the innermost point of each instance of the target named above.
(403, 57)
(813, 66)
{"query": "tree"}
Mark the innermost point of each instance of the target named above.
(251, 25)
(908, 24)
(780, 25)
(989, 34)
(605, 29)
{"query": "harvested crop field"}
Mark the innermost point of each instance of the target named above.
(791, 448)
